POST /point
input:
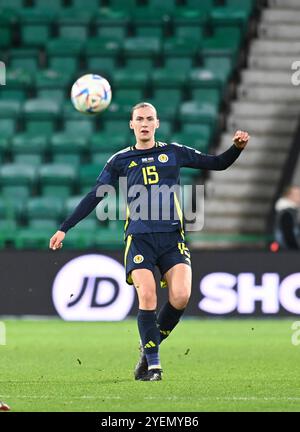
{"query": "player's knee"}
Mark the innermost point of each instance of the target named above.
(180, 300)
(147, 298)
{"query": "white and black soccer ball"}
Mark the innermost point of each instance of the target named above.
(91, 94)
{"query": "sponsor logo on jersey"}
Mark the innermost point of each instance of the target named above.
(148, 159)
(138, 259)
(132, 164)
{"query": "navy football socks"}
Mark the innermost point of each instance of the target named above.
(150, 336)
(168, 318)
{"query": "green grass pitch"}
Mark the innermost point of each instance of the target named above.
(209, 365)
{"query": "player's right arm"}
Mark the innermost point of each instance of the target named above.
(109, 175)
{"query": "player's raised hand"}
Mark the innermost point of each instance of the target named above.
(241, 139)
(56, 240)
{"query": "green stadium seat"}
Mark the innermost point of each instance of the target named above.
(101, 158)
(19, 192)
(18, 84)
(41, 109)
(120, 4)
(141, 52)
(91, 5)
(106, 142)
(54, 5)
(8, 93)
(43, 112)
(150, 20)
(164, 130)
(44, 211)
(191, 140)
(207, 95)
(198, 112)
(129, 97)
(24, 58)
(116, 126)
(70, 205)
(189, 22)
(52, 84)
(33, 238)
(117, 112)
(165, 110)
(57, 179)
(141, 46)
(18, 79)
(4, 147)
(35, 22)
(9, 112)
(204, 131)
(7, 126)
(222, 67)
(74, 23)
(180, 53)
(11, 208)
(13, 4)
(31, 159)
(247, 5)
(17, 180)
(7, 231)
(205, 78)
(233, 14)
(43, 224)
(126, 98)
(102, 54)
(76, 123)
(226, 15)
(108, 22)
(5, 31)
(88, 175)
(203, 5)
(225, 42)
(83, 236)
(119, 115)
(63, 54)
(29, 148)
(68, 148)
(165, 6)
(163, 78)
(111, 237)
(173, 96)
(130, 78)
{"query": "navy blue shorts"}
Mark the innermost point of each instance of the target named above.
(163, 249)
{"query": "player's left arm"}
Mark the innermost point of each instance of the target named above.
(192, 158)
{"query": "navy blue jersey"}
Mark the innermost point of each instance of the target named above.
(150, 170)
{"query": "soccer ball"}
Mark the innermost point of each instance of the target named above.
(91, 94)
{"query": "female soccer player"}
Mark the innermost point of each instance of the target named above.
(158, 240)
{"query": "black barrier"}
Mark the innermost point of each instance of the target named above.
(91, 285)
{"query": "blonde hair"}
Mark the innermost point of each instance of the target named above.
(142, 105)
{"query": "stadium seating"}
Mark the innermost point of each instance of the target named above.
(57, 179)
(70, 149)
(29, 148)
(35, 22)
(178, 55)
(41, 211)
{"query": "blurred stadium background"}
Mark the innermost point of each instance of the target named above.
(210, 67)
